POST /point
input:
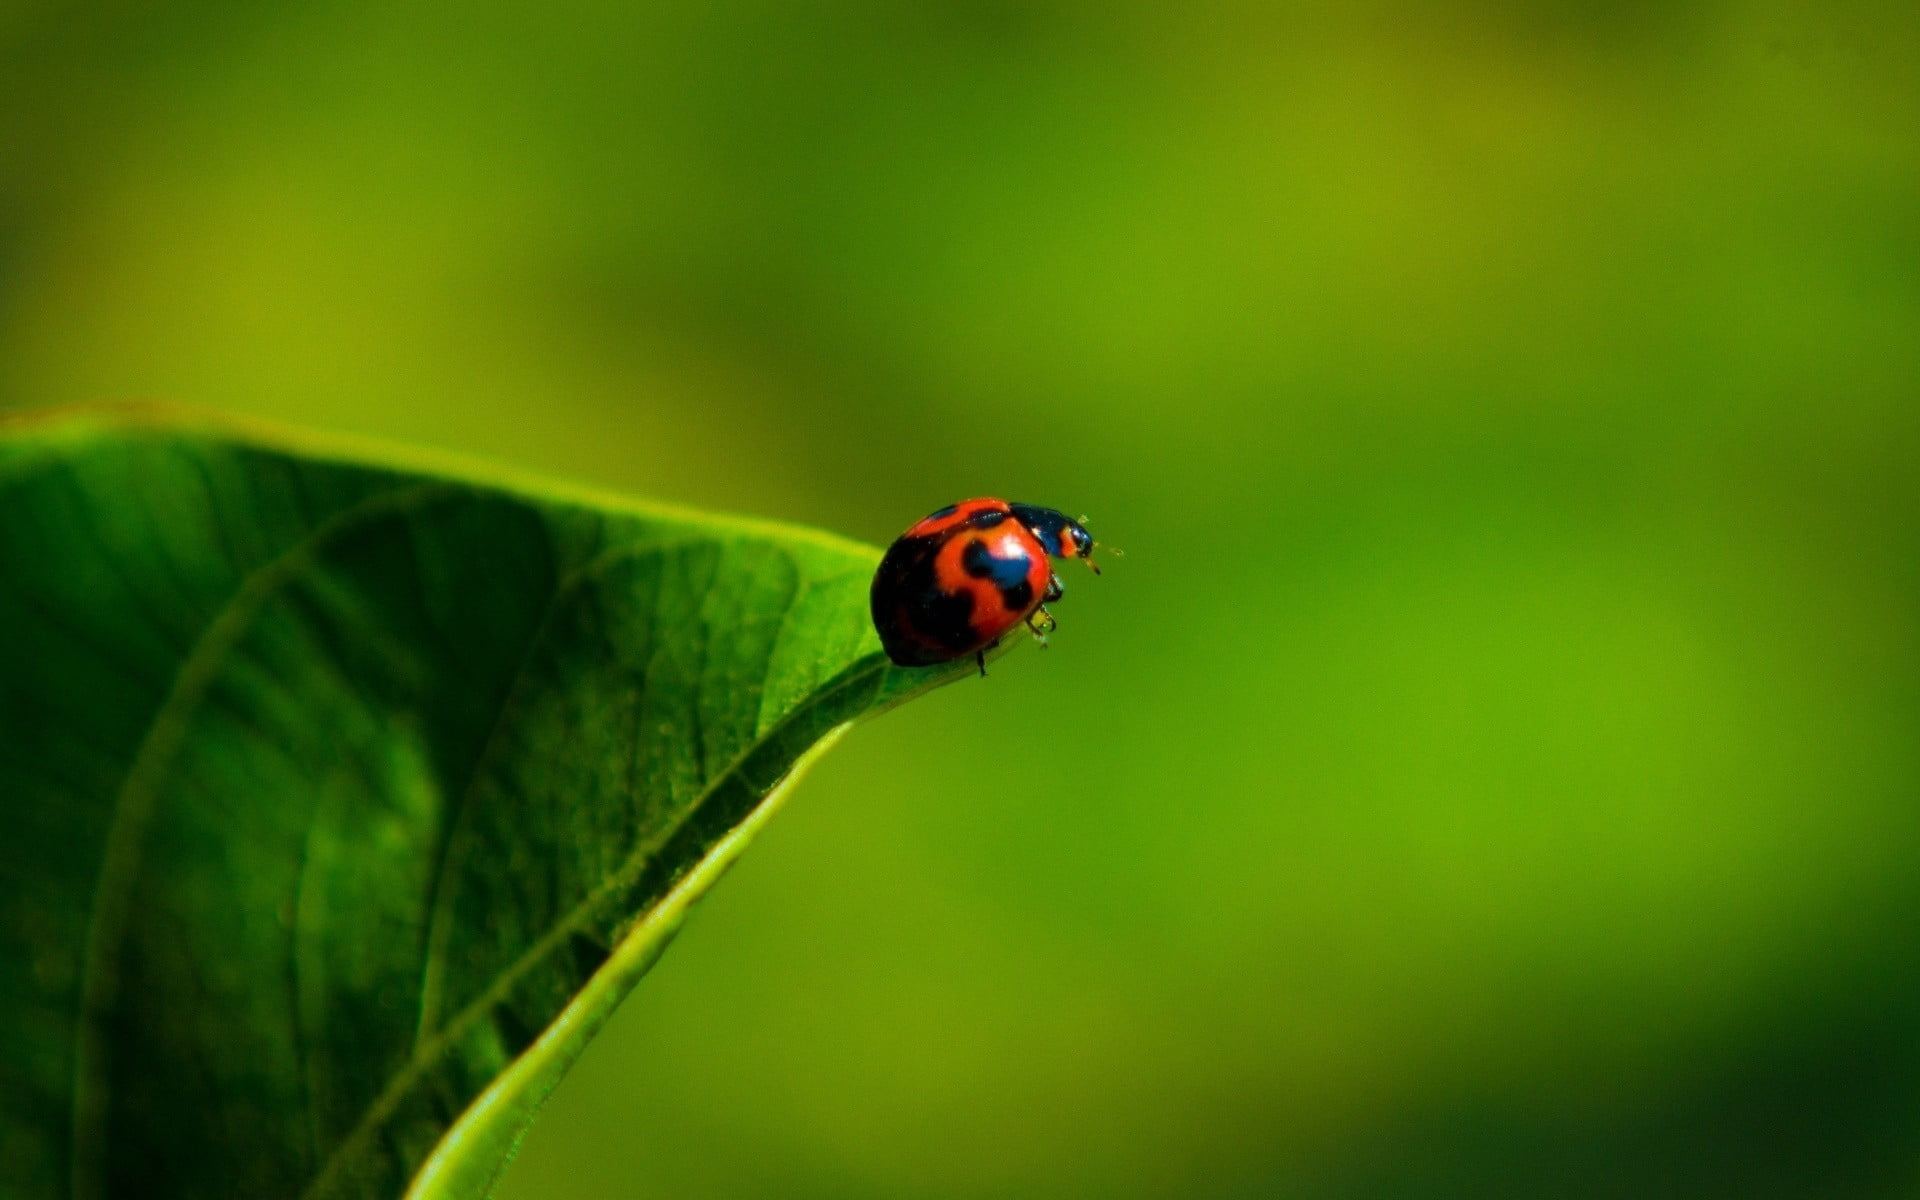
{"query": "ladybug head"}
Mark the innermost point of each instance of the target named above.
(1062, 536)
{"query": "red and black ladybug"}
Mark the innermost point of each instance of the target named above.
(958, 581)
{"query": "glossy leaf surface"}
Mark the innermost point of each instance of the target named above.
(343, 800)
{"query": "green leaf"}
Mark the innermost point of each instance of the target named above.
(344, 801)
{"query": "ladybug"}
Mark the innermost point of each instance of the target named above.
(961, 579)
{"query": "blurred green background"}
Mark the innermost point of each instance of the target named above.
(1495, 768)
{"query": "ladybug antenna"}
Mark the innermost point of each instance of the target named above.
(1083, 522)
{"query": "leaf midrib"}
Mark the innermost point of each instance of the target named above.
(630, 870)
(441, 908)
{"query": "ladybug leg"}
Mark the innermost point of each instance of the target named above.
(980, 656)
(1055, 590)
(1040, 623)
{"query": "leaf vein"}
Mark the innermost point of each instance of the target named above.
(629, 872)
(132, 807)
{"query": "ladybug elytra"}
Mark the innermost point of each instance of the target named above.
(961, 579)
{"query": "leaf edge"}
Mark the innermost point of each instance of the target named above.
(510, 1103)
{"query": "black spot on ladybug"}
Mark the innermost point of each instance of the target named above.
(948, 511)
(987, 520)
(982, 563)
(919, 621)
(947, 618)
(1008, 573)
